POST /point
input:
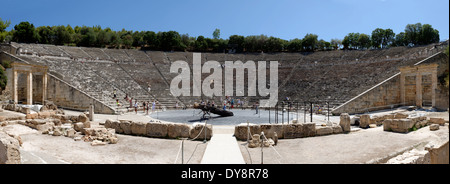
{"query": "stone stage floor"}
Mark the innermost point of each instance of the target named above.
(240, 116)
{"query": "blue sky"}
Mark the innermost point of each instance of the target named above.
(286, 19)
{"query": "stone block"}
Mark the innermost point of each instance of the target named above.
(138, 128)
(108, 123)
(400, 115)
(241, 132)
(126, 127)
(9, 149)
(87, 124)
(78, 126)
(293, 131)
(26, 110)
(434, 127)
(324, 130)
(70, 133)
(309, 129)
(198, 131)
(45, 128)
(364, 121)
(82, 118)
(270, 129)
(439, 121)
(337, 129)
(178, 130)
(45, 115)
(345, 122)
(116, 126)
(158, 130)
(398, 125)
(32, 116)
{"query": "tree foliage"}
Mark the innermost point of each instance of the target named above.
(25, 32)
(96, 36)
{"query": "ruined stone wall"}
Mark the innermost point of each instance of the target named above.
(442, 97)
(66, 96)
(387, 93)
(381, 96)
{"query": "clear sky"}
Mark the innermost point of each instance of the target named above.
(286, 19)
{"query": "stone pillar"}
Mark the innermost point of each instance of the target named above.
(402, 88)
(29, 88)
(419, 90)
(15, 92)
(91, 112)
(433, 87)
(44, 87)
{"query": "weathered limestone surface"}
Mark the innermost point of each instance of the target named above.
(398, 125)
(364, 121)
(345, 122)
(138, 128)
(240, 131)
(9, 149)
(324, 130)
(270, 129)
(439, 121)
(285, 131)
(178, 130)
(158, 130)
(198, 130)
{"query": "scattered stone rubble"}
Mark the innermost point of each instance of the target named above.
(398, 122)
(52, 121)
(431, 153)
(261, 141)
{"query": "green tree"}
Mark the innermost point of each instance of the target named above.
(62, 36)
(274, 44)
(127, 38)
(4, 24)
(295, 45)
(336, 43)
(25, 32)
(88, 37)
(150, 39)
(377, 37)
(3, 78)
(169, 40)
(428, 35)
(309, 42)
(400, 39)
(138, 39)
(237, 42)
(216, 34)
(201, 44)
(104, 38)
(116, 41)
(363, 41)
(351, 41)
(412, 33)
(388, 38)
(187, 42)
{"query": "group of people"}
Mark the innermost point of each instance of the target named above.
(145, 104)
(227, 102)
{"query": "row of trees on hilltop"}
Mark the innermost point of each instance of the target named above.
(414, 34)
(96, 36)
